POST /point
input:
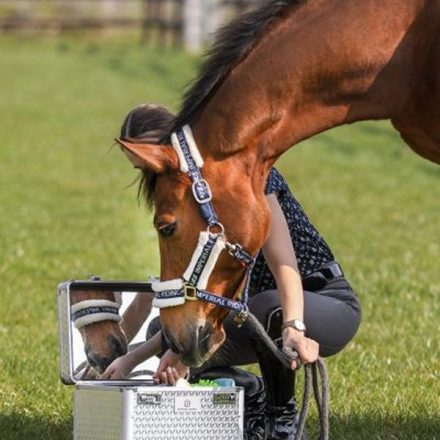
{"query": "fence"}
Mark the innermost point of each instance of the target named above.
(69, 14)
(177, 22)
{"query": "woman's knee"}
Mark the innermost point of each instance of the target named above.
(337, 337)
(263, 304)
(331, 320)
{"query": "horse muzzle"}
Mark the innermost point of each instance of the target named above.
(100, 357)
(198, 343)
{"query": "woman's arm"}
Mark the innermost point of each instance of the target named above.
(280, 256)
(136, 314)
(121, 367)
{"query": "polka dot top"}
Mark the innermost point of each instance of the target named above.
(312, 252)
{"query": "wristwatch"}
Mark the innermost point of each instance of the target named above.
(297, 324)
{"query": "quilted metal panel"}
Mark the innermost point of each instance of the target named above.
(187, 415)
(157, 413)
(98, 414)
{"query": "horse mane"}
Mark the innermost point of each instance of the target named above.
(233, 43)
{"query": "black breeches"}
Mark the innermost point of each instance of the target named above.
(331, 313)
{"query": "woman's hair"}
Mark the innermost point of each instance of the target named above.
(147, 123)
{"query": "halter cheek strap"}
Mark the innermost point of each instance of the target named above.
(203, 260)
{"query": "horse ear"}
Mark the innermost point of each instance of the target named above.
(156, 158)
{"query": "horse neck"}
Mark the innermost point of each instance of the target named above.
(327, 64)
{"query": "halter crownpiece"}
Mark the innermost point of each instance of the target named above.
(186, 148)
(192, 285)
(191, 162)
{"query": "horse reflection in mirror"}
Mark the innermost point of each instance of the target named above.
(96, 316)
(279, 75)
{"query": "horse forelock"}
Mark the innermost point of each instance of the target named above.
(232, 45)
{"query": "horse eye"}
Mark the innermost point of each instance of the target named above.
(167, 231)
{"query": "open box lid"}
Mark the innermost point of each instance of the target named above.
(72, 356)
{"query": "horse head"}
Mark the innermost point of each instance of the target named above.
(95, 315)
(194, 329)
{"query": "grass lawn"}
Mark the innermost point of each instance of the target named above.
(67, 210)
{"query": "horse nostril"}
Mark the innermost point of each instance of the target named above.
(90, 355)
(204, 332)
(87, 349)
(97, 362)
(174, 346)
(119, 347)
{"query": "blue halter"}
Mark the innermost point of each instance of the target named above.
(188, 290)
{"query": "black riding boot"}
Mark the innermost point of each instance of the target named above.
(281, 412)
(254, 400)
(279, 381)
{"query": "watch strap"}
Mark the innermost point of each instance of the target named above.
(297, 324)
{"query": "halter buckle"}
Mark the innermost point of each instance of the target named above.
(201, 191)
(190, 292)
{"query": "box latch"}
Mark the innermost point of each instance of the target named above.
(224, 398)
(149, 399)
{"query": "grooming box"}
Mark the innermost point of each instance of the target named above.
(138, 409)
(126, 412)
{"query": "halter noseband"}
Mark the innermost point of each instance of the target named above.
(91, 311)
(192, 285)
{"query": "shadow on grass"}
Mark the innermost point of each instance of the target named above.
(18, 426)
(372, 427)
(377, 427)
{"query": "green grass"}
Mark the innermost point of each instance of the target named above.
(66, 211)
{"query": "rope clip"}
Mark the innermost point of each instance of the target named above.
(241, 317)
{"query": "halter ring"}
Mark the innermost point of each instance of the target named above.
(219, 225)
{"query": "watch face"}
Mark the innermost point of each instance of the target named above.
(299, 325)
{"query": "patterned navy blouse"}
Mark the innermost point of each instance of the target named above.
(312, 252)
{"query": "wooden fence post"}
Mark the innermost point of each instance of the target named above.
(200, 19)
(212, 18)
(192, 24)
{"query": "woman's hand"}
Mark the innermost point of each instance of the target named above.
(307, 349)
(170, 369)
(120, 368)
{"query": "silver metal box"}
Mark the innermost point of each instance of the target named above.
(137, 409)
(107, 412)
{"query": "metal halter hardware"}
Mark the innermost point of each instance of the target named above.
(191, 286)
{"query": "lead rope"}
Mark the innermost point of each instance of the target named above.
(313, 374)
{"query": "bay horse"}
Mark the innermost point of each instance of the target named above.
(276, 76)
(95, 314)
